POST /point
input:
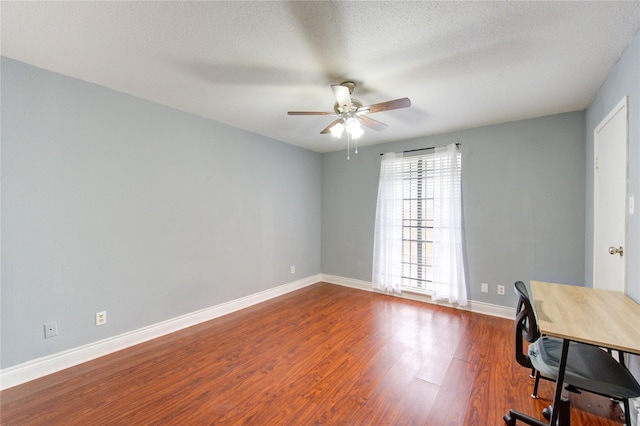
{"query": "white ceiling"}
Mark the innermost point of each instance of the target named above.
(463, 64)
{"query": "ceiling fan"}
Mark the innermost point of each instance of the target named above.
(352, 114)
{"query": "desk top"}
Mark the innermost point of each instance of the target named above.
(600, 317)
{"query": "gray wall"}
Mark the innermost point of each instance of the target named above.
(523, 204)
(110, 202)
(624, 80)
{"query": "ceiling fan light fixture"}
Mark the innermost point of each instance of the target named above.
(337, 129)
(357, 132)
(352, 125)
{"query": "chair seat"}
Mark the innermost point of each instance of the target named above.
(588, 367)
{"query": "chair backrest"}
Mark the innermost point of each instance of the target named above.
(526, 324)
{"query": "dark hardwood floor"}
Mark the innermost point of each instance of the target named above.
(323, 355)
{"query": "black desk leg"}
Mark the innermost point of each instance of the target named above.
(561, 410)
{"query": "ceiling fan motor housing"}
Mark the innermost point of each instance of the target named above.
(355, 105)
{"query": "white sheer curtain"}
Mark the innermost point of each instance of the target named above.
(448, 264)
(449, 281)
(387, 240)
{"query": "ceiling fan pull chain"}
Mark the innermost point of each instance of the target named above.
(356, 151)
(348, 139)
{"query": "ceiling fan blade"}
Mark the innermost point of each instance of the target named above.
(328, 128)
(342, 96)
(371, 123)
(310, 113)
(386, 106)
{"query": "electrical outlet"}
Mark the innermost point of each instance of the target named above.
(50, 330)
(485, 288)
(501, 290)
(101, 318)
(293, 269)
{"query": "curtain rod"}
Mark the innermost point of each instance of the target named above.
(421, 149)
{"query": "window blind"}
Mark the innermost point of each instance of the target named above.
(418, 171)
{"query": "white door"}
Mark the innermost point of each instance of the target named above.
(610, 186)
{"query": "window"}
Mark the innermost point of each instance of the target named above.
(418, 239)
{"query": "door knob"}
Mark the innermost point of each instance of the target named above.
(613, 250)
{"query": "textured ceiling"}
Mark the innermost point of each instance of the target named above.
(463, 64)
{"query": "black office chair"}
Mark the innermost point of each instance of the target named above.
(588, 368)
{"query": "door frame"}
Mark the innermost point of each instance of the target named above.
(623, 104)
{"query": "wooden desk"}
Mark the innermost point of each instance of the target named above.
(603, 318)
(600, 317)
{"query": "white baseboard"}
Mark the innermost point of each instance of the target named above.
(40, 367)
(493, 310)
(347, 282)
(473, 306)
